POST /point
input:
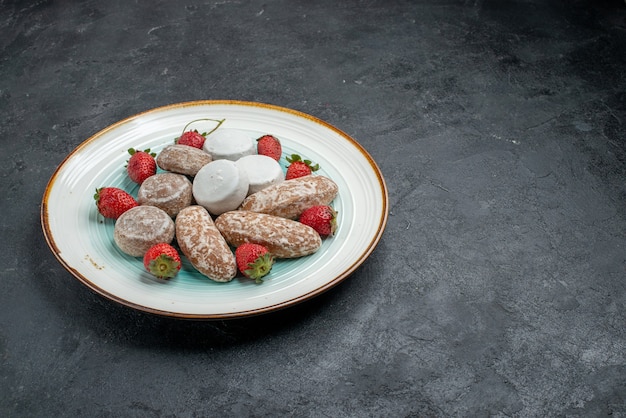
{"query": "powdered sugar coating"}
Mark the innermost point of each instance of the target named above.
(182, 159)
(220, 186)
(229, 144)
(140, 228)
(262, 171)
(290, 198)
(284, 238)
(168, 191)
(201, 242)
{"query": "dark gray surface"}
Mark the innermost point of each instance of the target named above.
(498, 288)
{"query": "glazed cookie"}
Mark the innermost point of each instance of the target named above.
(262, 171)
(182, 159)
(204, 246)
(141, 227)
(168, 191)
(229, 144)
(220, 186)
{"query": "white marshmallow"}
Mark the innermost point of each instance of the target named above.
(220, 186)
(229, 144)
(262, 171)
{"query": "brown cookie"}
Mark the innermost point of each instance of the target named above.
(139, 228)
(168, 191)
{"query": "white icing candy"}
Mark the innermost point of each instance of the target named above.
(220, 186)
(229, 144)
(262, 171)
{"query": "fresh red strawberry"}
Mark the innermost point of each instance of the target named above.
(269, 145)
(254, 261)
(112, 202)
(322, 218)
(141, 165)
(192, 138)
(162, 261)
(299, 167)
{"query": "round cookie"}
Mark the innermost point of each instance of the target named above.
(168, 191)
(229, 144)
(262, 171)
(140, 228)
(182, 159)
(220, 186)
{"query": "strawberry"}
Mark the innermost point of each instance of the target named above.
(269, 145)
(112, 202)
(299, 167)
(162, 261)
(254, 261)
(141, 165)
(192, 138)
(322, 218)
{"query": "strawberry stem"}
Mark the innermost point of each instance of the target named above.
(164, 267)
(260, 267)
(219, 123)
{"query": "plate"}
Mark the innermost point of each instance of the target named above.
(82, 240)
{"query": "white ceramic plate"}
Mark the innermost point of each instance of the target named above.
(82, 240)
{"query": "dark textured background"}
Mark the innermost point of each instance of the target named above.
(499, 287)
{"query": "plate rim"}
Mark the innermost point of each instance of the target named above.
(377, 236)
